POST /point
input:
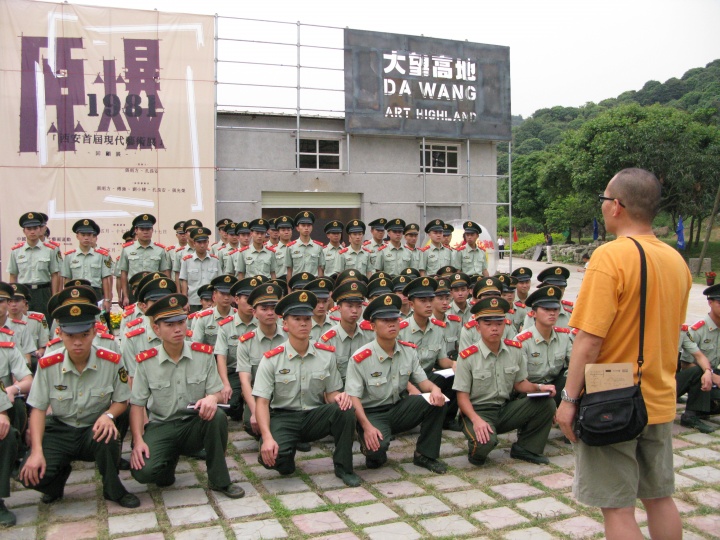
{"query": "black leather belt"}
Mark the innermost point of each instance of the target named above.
(36, 286)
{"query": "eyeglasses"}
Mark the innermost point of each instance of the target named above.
(604, 198)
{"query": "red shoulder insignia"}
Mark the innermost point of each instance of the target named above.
(158, 244)
(382, 247)
(180, 248)
(213, 255)
(243, 248)
(69, 252)
(569, 309)
(365, 303)
(100, 327)
(233, 252)
(47, 361)
(135, 332)
(531, 313)
(567, 303)
(246, 336)
(52, 342)
(343, 250)
(334, 318)
(368, 250)
(327, 336)
(575, 331)
(274, 352)
(150, 353)
(169, 248)
(561, 329)
(409, 248)
(130, 307)
(105, 335)
(51, 245)
(128, 244)
(684, 328)
(441, 324)
(513, 343)
(291, 243)
(511, 311)
(472, 349)
(366, 242)
(205, 312)
(17, 246)
(508, 321)
(186, 257)
(454, 318)
(424, 249)
(102, 251)
(270, 248)
(362, 355)
(520, 305)
(134, 322)
(366, 325)
(193, 315)
(407, 344)
(319, 243)
(334, 308)
(404, 324)
(460, 248)
(524, 336)
(129, 313)
(201, 347)
(698, 325)
(226, 320)
(109, 355)
(189, 333)
(18, 321)
(10, 344)
(471, 324)
(324, 347)
(7, 331)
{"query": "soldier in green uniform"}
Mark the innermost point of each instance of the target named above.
(486, 375)
(398, 286)
(333, 230)
(9, 438)
(522, 289)
(321, 321)
(256, 259)
(355, 256)
(459, 290)
(435, 255)
(469, 258)
(33, 326)
(451, 324)
(377, 231)
(199, 268)
(284, 225)
(252, 345)
(483, 288)
(182, 380)
(225, 253)
(35, 264)
(273, 234)
(176, 254)
(393, 257)
(546, 347)
(555, 276)
(142, 255)
(304, 254)
(411, 233)
(133, 311)
(87, 389)
(15, 380)
(377, 381)
(222, 231)
(701, 381)
(298, 395)
(10, 330)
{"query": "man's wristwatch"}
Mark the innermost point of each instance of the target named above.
(110, 415)
(564, 396)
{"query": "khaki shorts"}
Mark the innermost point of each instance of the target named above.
(614, 476)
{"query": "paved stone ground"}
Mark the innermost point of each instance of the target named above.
(504, 499)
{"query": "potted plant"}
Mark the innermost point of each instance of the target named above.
(710, 278)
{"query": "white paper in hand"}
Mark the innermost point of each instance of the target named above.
(426, 395)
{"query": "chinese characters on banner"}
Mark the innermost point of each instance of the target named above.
(107, 113)
(408, 85)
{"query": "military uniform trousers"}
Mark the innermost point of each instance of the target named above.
(186, 436)
(532, 417)
(403, 416)
(558, 381)
(445, 384)
(63, 444)
(235, 411)
(8, 453)
(39, 298)
(291, 427)
(688, 381)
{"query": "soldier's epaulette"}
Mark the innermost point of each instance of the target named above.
(135, 332)
(128, 244)
(404, 324)
(18, 321)
(569, 309)
(366, 242)
(437, 322)
(292, 243)
(362, 355)
(179, 249)
(325, 347)
(561, 329)
(7, 331)
(567, 303)
(511, 311)
(53, 342)
(186, 257)
(409, 248)
(454, 318)
(334, 318)
(189, 333)
(270, 248)
(129, 313)
(365, 303)
(460, 248)
(105, 335)
(343, 250)
(54, 243)
(382, 247)
(274, 352)
(575, 331)
(531, 313)
(134, 322)
(319, 243)
(243, 248)
(226, 320)
(69, 252)
(520, 305)
(368, 250)
(513, 343)
(158, 244)
(366, 325)
(508, 321)
(18, 245)
(102, 251)
(407, 344)
(424, 249)
(327, 336)
(231, 253)
(684, 327)
(334, 308)
(471, 324)
(150, 353)
(205, 312)
(246, 336)
(698, 325)
(202, 347)
(51, 245)
(472, 349)
(109, 355)
(7, 344)
(47, 361)
(193, 315)
(100, 327)
(524, 336)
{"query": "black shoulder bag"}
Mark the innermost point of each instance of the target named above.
(614, 416)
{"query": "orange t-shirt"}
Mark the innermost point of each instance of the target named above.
(608, 306)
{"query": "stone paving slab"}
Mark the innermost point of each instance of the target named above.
(448, 526)
(132, 523)
(349, 495)
(499, 518)
(370, 513)
(285, 485)
(190, 515)
(297, 501)
(422, 506)
(253, 530)
(203, 533)
(469, 498)
(77, 530)
(392, 531)
(318, 523)
(247, 506)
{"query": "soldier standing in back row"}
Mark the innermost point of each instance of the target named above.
(435, 255)
(355, 256)
(333, 230)
(304, 254)
(470, 258)
(256, 259)
(198, 268)
(392, 258)
(142, 255)
(377, 231)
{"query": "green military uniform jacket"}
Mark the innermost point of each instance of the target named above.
(469, 334)
(703, 336)
(95, 265)
(380, 380)
(252, 262)
(228, 333)
(198, 272)
(12, 364)
(345, 346)
(430, 344)
(433, 258)
(17, 332)
(177, 257)
(470, 261)
(140, 338)
(563, 319)
(545, 359)
(208, 324)
(393, 260)
(319, 329)
(451, 326)
(251, 347)
(465, 315)
(416, 257)
(34, 264)
(301, 257)
(372, 247)
(37, 328)
(135, 258)
(225, 258)
(349, 259)
(331, 254)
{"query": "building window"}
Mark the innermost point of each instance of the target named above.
(439, 158)
(319, 154)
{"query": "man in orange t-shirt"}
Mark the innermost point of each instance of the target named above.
(607, 316)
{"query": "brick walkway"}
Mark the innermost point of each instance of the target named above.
(506, 498)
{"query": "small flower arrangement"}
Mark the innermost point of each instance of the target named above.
(115, 319)
(710, 275)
